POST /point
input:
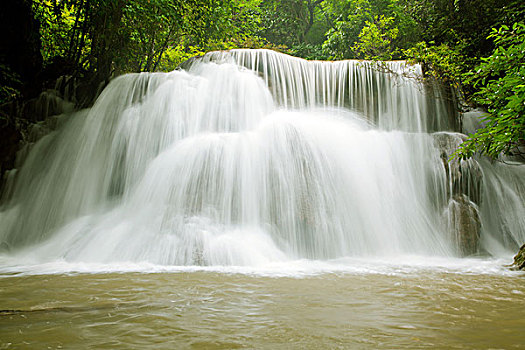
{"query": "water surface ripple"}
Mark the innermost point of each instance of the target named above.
(214, 310)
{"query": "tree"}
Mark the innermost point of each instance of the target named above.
(371, 29)
(468, 22)
(297, 24)
(105, 37)
(376, 38)
(501, 81)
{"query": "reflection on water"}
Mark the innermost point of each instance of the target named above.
(213, 310)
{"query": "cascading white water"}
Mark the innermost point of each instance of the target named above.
(387, 93)
(246, 158)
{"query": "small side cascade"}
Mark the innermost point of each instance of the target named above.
(484, 203)
(51, 102)
(503, 209)
(464, 180)
(28, 122)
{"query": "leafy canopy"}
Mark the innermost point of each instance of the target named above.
(501, 82)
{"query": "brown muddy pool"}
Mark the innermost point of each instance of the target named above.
(219, 310)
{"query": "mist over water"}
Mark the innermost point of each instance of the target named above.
(252, 158)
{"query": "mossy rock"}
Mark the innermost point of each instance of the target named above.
(519, 260)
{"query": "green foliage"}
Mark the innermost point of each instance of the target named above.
(282, 21)
(501, 82)
(292, 22)
(466, 21)
(370, 29)
(308, 51)
(105, 36)
(351, 18)
(162, 33)
(96, 39)
(9, 83)
(56, 23)
(440, 62)
(375, 39)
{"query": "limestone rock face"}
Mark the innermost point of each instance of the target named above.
(464, 224)
(472, 121)
(519, 260)
(464, 182)
(48, 103)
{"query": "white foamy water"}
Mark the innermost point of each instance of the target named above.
(408, 265)
(255, 162)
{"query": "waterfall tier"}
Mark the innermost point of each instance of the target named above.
(249, 157)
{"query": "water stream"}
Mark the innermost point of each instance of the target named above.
(253, 163)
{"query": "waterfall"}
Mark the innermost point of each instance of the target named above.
(388, 94)
(250, 157)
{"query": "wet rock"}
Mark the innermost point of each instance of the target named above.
(472, 121)
(464, 177)
(519, 260)
(464, 224)
(49, 103)
(464, 183)
(10, 138)
(24, 122)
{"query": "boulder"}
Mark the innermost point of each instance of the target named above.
(464, 224)
(519, 260)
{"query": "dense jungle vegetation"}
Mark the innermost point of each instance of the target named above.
(475, 46)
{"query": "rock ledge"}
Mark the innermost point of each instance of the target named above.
(519, 260)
